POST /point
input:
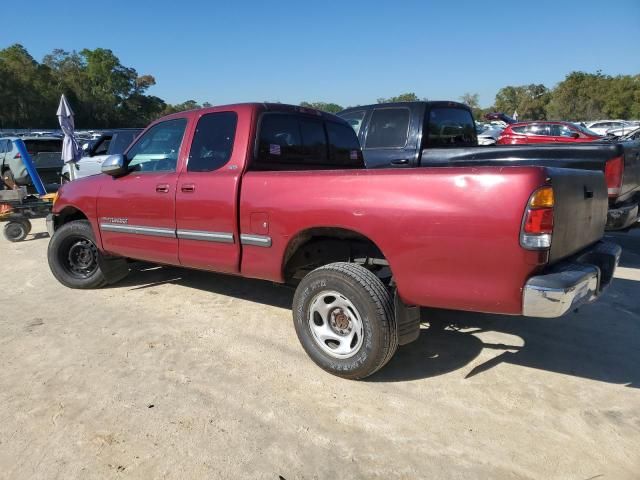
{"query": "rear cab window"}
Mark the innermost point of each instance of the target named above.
(288, 141)
(449, 127)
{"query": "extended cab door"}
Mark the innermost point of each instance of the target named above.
(208, 191)
(389, 137)
(136, 212)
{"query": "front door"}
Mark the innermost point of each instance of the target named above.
(136, 212)
(207, 194)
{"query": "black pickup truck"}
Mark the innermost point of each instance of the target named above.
(432, 134)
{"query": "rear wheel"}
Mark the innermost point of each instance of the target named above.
(15, 231)
(76, 262)
(343, 316)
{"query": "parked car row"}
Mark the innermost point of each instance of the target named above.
(369, 215)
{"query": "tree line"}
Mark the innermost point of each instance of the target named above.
(106, 94)
(103, 93)
(580, 96)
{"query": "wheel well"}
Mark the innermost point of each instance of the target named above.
(316, 247)
(68, 214)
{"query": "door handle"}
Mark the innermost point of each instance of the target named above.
(188, 188)
(162, 188)
(400, 161)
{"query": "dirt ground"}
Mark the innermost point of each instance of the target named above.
(182, 374)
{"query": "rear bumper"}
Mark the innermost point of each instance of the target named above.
(571, 283)
(622, 217)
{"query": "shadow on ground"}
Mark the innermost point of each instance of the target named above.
(600, 342)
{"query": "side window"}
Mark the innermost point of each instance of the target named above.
(103, 146)
(354, 119)
(450, 127)
(120, 141)
(562, 131)
(538, 130)
(157, 150)
(520, 129)
(388, 128)
(344, 147)
(212, 142)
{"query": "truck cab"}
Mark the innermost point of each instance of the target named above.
(393, 135)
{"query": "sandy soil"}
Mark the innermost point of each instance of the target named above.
(181, 374)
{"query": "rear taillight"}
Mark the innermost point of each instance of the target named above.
(17, 155)
(613, 171)
(537, 224)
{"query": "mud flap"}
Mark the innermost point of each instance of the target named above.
(408, 321)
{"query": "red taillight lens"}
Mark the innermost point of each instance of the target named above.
(539, 220)
(17, 155)
(537, 224)
(613, 175)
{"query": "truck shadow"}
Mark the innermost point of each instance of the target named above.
(600, 342)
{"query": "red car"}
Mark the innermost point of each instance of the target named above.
(281, 193)
(545, 132)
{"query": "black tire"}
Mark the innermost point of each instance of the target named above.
(76, 262)
(373, 305)
(15, 231)
(27, 224)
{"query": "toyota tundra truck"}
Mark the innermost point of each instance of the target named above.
(281, 193)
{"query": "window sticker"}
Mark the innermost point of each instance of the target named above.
(274, 149)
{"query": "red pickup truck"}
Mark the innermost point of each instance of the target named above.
(281, 193)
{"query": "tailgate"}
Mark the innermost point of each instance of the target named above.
(580, 210)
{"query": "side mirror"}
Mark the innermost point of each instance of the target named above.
(575, 135)
(114, 165)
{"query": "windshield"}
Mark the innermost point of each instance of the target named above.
(633, 135)
(586, 130)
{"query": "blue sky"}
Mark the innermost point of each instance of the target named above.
(348, 52)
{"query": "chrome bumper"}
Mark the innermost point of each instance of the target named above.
(50, 224)
(572, 283)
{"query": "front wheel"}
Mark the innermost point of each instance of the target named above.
(76, 262)
(343, 315)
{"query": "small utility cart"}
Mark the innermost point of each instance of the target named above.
(17, 207)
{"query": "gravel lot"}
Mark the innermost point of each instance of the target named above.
(182, 374)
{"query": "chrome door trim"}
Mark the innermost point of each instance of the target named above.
(255, 240)
(221, 237)
(139, 230)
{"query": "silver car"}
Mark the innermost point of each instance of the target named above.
(110, 143)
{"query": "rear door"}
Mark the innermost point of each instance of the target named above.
(208, 188)
(539, 133)
(136, 212)
(387, 137)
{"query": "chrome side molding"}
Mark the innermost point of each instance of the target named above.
(221, 237)
(255, 240)
(138, 230)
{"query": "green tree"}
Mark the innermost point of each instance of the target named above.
(473, 101)
(403, 97)
(323, 106)
(530, 101)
